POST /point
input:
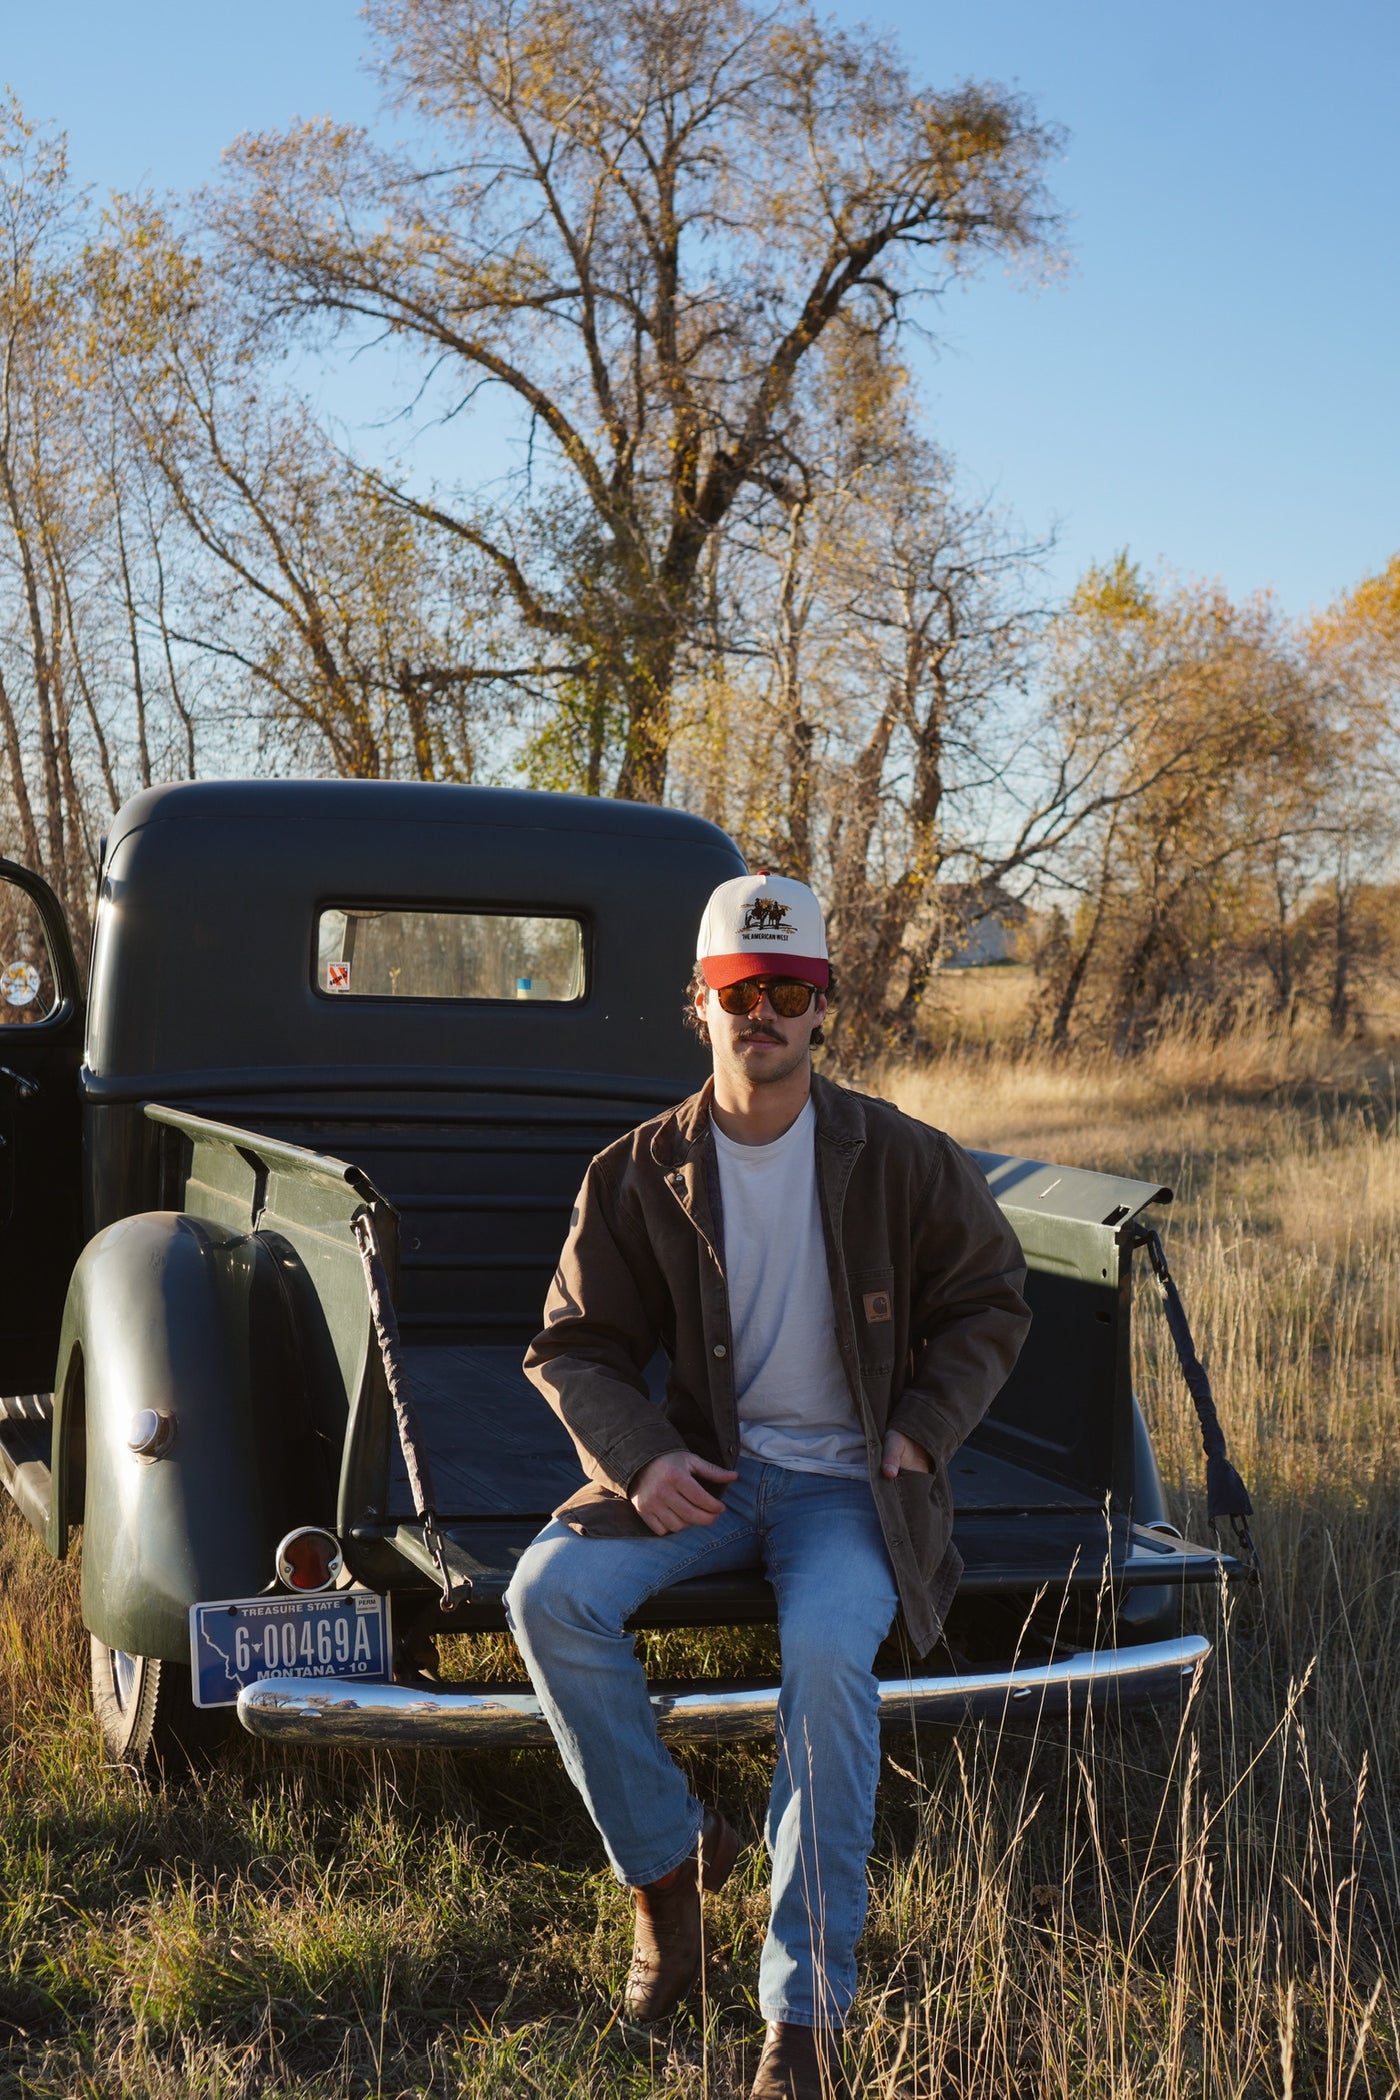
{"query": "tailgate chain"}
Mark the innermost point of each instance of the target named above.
(415, 1458)
(1226, 1494)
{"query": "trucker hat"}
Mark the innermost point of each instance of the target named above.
(762, 926)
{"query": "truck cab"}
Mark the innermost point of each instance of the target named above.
(326, 1017)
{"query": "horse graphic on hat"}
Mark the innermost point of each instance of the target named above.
(764, 912)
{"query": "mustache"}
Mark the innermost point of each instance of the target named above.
(761, 1034)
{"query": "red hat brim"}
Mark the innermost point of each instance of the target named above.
(721, 970)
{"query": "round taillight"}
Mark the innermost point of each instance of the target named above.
(151, 1433)
(309, 1559)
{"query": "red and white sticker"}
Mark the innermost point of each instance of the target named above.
(337, 977)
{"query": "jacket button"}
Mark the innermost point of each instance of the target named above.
(720, 1349)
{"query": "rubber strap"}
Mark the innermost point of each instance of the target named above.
(415, 1458)
(1227, 1497)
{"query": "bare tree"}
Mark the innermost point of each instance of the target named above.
(49, 719)
(643, 219)
(93, 698)
(940, 605)
(318, 596)
(884, 627)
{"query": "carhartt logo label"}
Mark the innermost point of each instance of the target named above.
(877, 1306)
(766, 915)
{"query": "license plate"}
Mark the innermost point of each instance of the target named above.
(340, 1633)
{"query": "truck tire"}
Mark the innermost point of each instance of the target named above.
(146, 1715)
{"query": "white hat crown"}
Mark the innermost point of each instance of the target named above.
(762, 923)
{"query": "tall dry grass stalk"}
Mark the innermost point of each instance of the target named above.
(1192, 1907)
(1284, 1819)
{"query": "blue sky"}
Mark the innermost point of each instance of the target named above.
(1211, 384)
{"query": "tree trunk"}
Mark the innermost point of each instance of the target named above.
(1339, 1006)
(177, 698)
(1278, 954)
(54, 856)
(797, 731)
(414, 694)
(856, 942)
(647, 687)
(133, 639)
(19, 786)
(1074, 985)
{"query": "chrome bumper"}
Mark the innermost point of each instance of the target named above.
(340, 1710)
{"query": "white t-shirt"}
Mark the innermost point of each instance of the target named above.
(795, 1406)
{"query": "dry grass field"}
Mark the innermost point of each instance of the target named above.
(1119, 1912)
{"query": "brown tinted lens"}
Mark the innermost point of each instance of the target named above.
(787, 996)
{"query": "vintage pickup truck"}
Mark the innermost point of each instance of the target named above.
(279, 1202)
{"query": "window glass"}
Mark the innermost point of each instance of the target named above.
(27, 990)
(368, 954)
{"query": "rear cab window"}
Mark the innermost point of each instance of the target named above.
(369, 952)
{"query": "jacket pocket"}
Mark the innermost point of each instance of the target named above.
(926, 1504)
(601, 1513)
(873, 1306)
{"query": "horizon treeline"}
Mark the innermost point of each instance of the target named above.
(669, 260)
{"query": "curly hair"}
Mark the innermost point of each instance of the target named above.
(693, 1018)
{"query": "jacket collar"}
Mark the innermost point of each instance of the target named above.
(840, 1113)
(682, 1132)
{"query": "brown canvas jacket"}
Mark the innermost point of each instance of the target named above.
(926, 1280)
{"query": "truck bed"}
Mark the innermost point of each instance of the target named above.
(496, 1450)
(501, 1462)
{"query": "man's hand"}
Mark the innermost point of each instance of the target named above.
(901, 1454)
(669, 1492)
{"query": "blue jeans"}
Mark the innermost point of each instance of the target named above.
(820, 1543)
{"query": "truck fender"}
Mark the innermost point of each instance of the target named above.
(183, 1316)
(1149, 1496)
(1152, 1611)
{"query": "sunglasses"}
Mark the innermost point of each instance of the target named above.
(787, 996)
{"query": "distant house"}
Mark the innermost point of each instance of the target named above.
(983, 924)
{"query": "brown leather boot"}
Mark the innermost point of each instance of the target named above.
(799, 2063)
(668, 1942)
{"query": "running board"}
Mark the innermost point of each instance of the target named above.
(344, 1710)
(26, 1432)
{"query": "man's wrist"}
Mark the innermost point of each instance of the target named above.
(930, 1436)
(671, 1451)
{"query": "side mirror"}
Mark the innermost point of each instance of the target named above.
(29, 993)
(38, 973)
